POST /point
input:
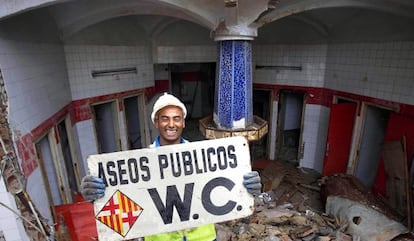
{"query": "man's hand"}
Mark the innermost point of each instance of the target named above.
(252, 182)
(92, 187)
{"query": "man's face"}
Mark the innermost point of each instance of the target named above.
(170, 123)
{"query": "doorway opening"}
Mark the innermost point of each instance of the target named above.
(52, 185)
(58, 170)
(193, 84)
(135, 127)
(106, 129)
(262, 106)
(375, 120)
(70, 166)
(290, 125)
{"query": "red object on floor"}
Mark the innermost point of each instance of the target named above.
(79, 219)
(78, 198)
(260, 164)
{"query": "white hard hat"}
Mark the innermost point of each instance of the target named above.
(167, 100)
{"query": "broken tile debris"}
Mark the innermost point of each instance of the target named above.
(292, 208)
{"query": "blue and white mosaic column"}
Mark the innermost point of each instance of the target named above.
(233, 97)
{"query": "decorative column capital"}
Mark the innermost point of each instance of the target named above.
(233, 32)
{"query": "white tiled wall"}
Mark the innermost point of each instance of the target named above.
(379, 70)
(83, 59)
(315, 132)
(161, 72)
(185, 54)
(36, 82)
(312, 59)
(37, 87)
(10, 224)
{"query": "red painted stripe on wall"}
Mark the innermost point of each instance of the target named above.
(25, 144)
(324, 97)
(186, 76)
(80, 110)
(159, 87)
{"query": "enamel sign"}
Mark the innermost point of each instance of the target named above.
(168, 188)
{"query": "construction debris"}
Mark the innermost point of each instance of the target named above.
(292, 208)
(362, 213)
(35, 225)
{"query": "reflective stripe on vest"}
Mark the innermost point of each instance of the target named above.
(202, 233)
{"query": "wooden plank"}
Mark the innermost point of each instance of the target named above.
(397, 183)
(410, 192)
(407, 184)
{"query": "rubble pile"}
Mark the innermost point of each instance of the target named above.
(291, 208)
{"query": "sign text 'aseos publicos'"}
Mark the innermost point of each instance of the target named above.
(168, 188)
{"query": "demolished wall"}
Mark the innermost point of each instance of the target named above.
(34, 223)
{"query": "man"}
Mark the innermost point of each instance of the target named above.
(168, 116)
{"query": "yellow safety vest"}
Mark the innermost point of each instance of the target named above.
(202, 233)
